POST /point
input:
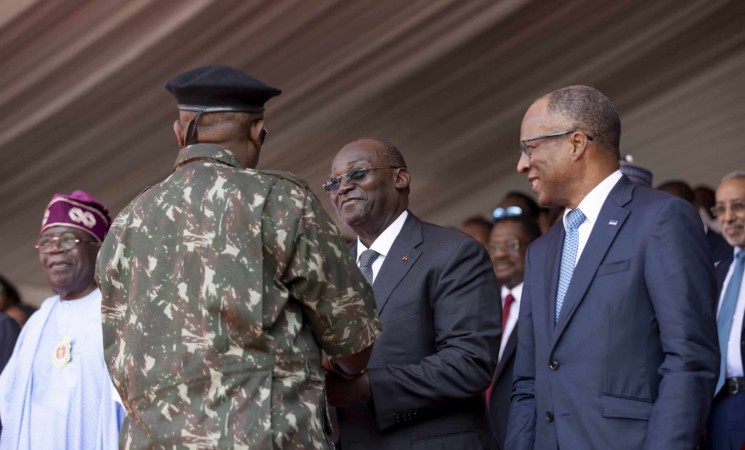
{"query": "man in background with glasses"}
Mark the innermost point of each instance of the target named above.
(435, 291)
(508, 241)
(222, 284)
(55, 391)
(617, 338)
(727, 421)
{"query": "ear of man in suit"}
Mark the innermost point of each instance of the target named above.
(435, 291)
(629, 357)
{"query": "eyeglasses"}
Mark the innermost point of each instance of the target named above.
(737, 207)
(527, 151)
(509, 246)
(65, 243)
(500, 213)
(354, 175)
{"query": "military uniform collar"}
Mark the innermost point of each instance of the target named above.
(206, 151)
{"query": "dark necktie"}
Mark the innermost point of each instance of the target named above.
(508, 301)
(727, 314)
(367, 258)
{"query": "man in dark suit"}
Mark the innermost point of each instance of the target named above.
(508, 241)
(727, 420)
(718, 246)
(617, 339)
(9, 331)
(435, 291)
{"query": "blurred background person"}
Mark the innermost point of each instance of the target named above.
(634, 172)
(727, 420)
(55, 392)
(9, 330)
(516, 203)
(525, 204)
(718, 247)
(11, 304)
(508, 241)
(704, 201)
(478, 228)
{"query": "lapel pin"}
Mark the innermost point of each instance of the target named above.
(613, 223)
(404, 258)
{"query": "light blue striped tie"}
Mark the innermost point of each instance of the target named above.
(568, 256)
(727, 314)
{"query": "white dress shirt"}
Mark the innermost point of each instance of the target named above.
(383, 243)
(590, 207)
(509, 326)
(734, 367)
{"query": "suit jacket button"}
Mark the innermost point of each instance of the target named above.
(549, 416)
(553, 365)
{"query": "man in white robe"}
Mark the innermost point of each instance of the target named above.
(55, 392)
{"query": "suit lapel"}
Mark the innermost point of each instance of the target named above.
(610, 221)
(509, 353)
(554, 246)
(399, 260)
(721, 270)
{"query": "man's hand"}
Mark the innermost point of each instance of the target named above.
(342, 392)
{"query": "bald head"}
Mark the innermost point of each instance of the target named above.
(569, 142)
(587, 109)
(369, 186)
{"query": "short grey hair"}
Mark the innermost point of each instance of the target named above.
(736, 175)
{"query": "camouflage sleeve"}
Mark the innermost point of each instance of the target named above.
(108, 277)
(322, 276)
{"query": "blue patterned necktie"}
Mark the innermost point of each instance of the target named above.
(727, 313)
(568, 256)
(367, 258)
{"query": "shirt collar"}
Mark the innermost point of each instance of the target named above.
(516, 291)
(593, 202)
(208, 151)
(382, 245)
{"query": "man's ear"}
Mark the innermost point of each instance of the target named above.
(255, 133)
(403, 178)
(579, 142)
(178, 129)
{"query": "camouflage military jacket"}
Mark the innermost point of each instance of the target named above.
(220, 285)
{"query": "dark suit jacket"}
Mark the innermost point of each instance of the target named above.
(501, 393)
(429, 369)
(9, 331)
(720, 249)
(633, 360)
(721, 271)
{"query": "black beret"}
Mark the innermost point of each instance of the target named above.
(219, 88)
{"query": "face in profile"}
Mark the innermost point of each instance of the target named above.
(548, 167)
(68, 257)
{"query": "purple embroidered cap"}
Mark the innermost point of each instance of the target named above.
(77, 210)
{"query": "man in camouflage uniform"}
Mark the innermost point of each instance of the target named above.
(222, 284)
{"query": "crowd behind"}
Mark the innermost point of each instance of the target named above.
(456, 354)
